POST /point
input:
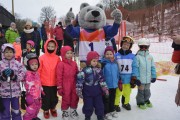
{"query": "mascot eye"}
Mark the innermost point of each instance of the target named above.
(89, 10)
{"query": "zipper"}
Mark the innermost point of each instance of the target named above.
(10, 80)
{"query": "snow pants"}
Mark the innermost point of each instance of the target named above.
(15, 113)
(50, 99)
(33, 107)
(69, 97)
(144, 94)
(126, 92)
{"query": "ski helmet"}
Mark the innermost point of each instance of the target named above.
(29, 57)
(143, 41)
(127, 39)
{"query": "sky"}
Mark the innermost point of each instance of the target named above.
(31, 8)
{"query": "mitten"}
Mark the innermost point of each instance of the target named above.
(7, 72)
(23, 100)
(69, 16)
(132, 82)
(153, 80)
(120, 86)
(60, 91)
(138, 82)
(79, 92)
(117, 15)
(1, 106)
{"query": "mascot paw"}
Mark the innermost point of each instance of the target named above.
(69, 16)
(117, 15)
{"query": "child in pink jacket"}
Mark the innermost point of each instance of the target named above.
(33, 88)
(66, 83)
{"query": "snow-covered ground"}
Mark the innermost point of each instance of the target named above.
(163, 92)
(164, 107)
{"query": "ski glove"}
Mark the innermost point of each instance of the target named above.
(120, 86)
(153, 80)
(138, 82)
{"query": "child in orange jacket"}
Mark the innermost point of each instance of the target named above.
(47, 71)
(17, 47)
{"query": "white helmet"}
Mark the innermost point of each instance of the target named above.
(144, 41)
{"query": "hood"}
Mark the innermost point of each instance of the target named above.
(63, 52)
(4, 46)
(45, 46)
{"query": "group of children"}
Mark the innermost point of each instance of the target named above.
(100, 83)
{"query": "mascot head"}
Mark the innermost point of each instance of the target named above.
(91, 17)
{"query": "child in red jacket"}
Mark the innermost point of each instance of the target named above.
(47, 70)
(66, 82)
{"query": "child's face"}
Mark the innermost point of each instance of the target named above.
(51, 46)
(8, 54)
(126, 45)
(34, 66)
(69, 55)
(109, 55)
(28, 46)
(94, 62)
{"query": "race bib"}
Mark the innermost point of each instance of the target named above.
(125, 66)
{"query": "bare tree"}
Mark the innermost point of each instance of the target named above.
(47, 13)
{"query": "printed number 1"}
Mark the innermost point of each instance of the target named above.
(92, 47)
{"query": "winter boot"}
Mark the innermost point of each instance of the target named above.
(148, 104)
(117, 108)
(46, 114)
(100, 117)
(73, 114)
(65, 115)
(126, 106)
(36, 118)
(114, 114)
(53, 112)
(87, 118)
(142, 106)
(108, 116)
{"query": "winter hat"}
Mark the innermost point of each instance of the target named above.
(60, 23)
(30, 42)
(12, 23)
(92, 55)
(29, 59)
(109, 48)
(32, 61)
(64, 49)
(18, 39)
(28, 23)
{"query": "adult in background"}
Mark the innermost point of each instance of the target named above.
(2, 41)
(58, 33)
(176, 59)
(12, 33)
(44, 36)
(27, 34)
(38, 39)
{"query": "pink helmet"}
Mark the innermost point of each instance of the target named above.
(30, 42)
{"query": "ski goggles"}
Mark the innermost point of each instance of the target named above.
(143, 47)
(127, 39)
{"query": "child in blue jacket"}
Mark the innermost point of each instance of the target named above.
(146, 73)
(111, 76)
(128, 71)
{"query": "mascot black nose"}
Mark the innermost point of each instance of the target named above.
(95, 13)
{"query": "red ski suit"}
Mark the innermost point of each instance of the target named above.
(66, 80)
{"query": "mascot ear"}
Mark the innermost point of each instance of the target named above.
(100, 6)
(83, 5)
